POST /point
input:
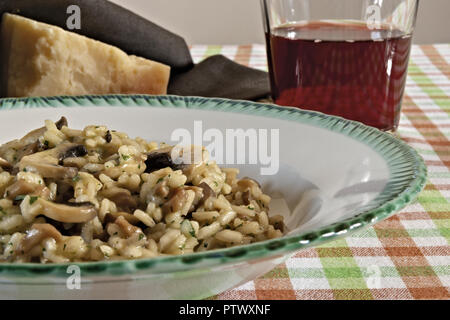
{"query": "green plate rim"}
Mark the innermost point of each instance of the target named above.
(407, 169)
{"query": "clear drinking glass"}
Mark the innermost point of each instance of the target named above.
(342, 57)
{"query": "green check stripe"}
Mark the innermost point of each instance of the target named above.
(341, 269)
(421, 78)
(432, 201)
(357, 272)
(212, 50)
(390, 233)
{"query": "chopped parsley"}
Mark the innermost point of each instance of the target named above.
(76, 178)
(125, 157)
(192, 233)
(160, 179)
(46, 143)
(251, 208)
(33, 199)
(65, 245)
(24, 169)
(215, 182)
(141, 236)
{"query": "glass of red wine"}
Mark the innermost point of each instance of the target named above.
(342, 57)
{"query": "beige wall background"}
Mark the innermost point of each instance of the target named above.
(239, 21)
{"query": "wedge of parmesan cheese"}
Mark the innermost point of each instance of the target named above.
(39, 59)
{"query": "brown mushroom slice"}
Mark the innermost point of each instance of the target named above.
(53, 171)
(160, 159)
(46, 163)
(121, 197)
(68, 213)
(71, 151)
(246, 197)
(165, 157)
(34, 135)
(61, 123)
(23, 187)
(29, 149)
(247, 182)
(207, 191)
(29, 143)
(127, 228)
(179, 200)
(199, 196)
(34, 236)
(5, 164)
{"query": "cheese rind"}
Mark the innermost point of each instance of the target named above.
(39, 59)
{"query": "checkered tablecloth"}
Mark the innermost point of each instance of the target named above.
(404, 257)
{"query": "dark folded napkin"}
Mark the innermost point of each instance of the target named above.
(115, 25)
(218, 76)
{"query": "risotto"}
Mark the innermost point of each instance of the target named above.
(96, 194)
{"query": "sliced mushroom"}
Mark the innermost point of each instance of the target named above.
(64, 191)
(246, 197)
(199, 196)
(247, 182)
(23, 187)
(108, 136)
(72, 151)
(68, 213)
(160, 159)
(29, 149)
(207, 191)
(121, 197)
(48, 170)
(34, 135)
(34, 236)
(61, 123)
(29, 143)
(126, 227)
(5, 164)
(176, 201)
(181, 200)
(46, 163)
(165, 157)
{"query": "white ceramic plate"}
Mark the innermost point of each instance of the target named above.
(335, 177)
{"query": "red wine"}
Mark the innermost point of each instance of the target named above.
(341, 69)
